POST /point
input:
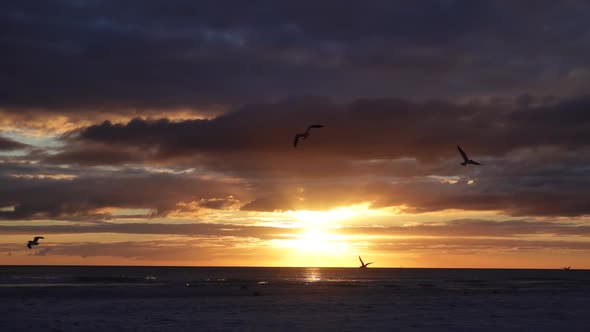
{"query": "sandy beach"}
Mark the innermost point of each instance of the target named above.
(305, 307)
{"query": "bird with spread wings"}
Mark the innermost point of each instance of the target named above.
(466, 159)
(305, 134)
(363, 264)
(35, 242)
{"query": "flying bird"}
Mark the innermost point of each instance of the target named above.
(567, 268)
(35, 242)
(466, 159)
(305, 134)
(363, 265)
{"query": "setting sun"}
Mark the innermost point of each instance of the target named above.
(317, 240)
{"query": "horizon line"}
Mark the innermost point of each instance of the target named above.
(297, 267)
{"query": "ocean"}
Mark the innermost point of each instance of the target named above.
(104, 298)
(403, 278)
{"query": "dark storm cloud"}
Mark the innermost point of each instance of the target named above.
(98, 59)
(564, 197)
(363, 129)
(7, 144)
(93, 155)
(153, 54)
(82, 198)
(44, 196)
(387, 152)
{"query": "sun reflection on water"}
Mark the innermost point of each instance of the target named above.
(313, 275)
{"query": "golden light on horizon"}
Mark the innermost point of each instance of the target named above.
(313, 248)
(318, 240)
(332, 215)
(315, 244)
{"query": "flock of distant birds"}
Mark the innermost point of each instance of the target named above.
(304, 136)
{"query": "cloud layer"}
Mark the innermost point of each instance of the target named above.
(72, 55)
(386, 152)
(7, 144)
(389, 153)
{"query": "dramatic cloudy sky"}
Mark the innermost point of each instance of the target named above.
(160, 132)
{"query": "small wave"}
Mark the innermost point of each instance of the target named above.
(17, 280)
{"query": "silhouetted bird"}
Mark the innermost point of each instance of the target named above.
(35, 241)
(363, 265)
(466, 160)
(305, 134)
(567, 268)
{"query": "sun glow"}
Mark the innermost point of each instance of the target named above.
(320, 241)
(333, 215)
(314, 246)
(316, 243)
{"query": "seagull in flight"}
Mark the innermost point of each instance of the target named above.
(363, 265)
(466, 159)
(35, 242)
(567, 268)
(305, 134)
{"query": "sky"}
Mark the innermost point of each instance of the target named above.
(160, 133)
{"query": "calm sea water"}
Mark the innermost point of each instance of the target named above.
(403, 278)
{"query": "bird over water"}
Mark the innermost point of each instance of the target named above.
(35, 241)
(363, 264)
(305, 134)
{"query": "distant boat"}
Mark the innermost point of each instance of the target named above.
(363, 265)
(35, 242)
